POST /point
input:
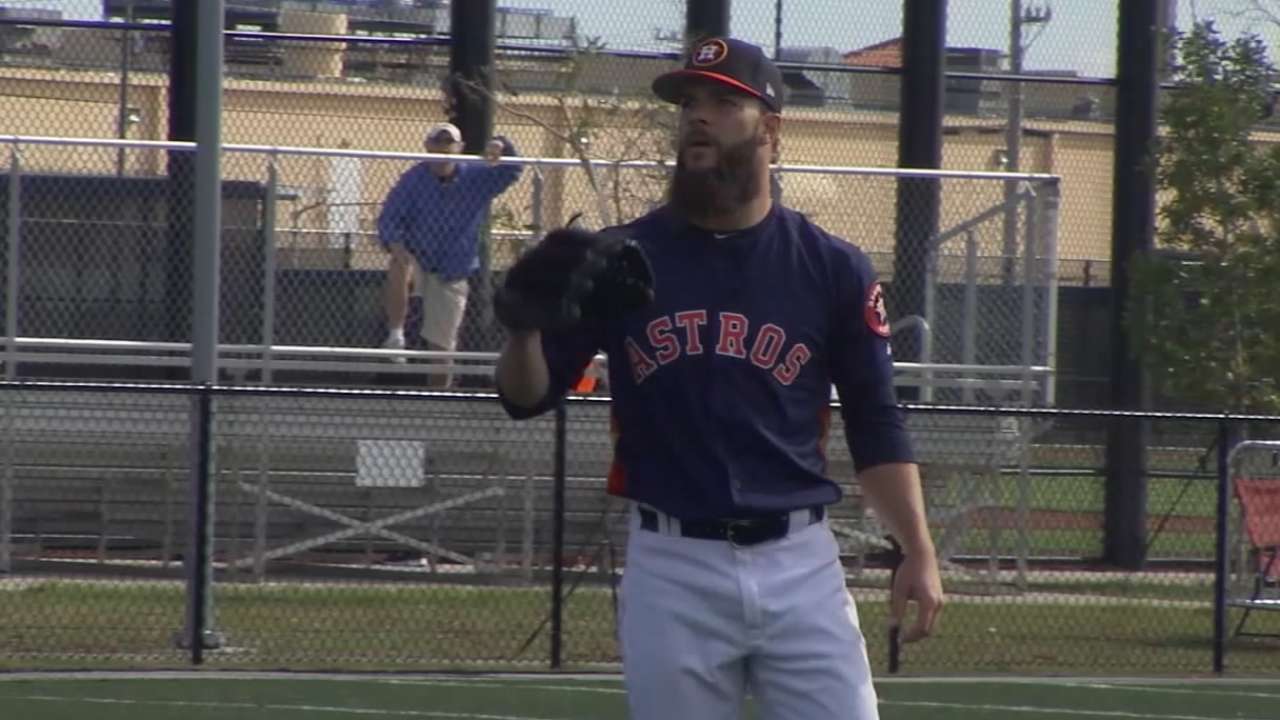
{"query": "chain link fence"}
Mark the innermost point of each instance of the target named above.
(1253, 585)
(1059, 119)
(381, 85)
(415, 531)
(566, 70)
(346, 531)
(334, 73)
(98, 232)
(567, 73)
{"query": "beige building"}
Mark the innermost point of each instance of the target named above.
(330, 110)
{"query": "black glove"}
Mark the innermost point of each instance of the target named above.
(574, 277)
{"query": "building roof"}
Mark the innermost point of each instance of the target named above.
(884, 54)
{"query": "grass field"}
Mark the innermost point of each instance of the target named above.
(1065, 515)
(553, 697)
(425, 627)
(1063, 622)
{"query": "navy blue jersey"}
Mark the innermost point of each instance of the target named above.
(721, 388)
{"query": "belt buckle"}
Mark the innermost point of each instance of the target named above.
(731, 532)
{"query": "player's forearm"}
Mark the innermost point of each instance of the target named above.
(522, 374)
(893, 491)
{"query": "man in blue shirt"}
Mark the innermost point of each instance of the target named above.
(721, 390)
(430, 225)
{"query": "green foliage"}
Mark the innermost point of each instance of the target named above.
(1206, 306)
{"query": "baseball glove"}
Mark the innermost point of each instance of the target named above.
(574, 277)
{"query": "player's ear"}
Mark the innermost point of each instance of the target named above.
(771, 125)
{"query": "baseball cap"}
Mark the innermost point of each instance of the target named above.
(735, 63)
(440, 130)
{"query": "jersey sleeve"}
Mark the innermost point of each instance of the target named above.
(567, 355)
(862, 364)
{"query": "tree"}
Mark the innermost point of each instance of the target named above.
(594, 126)
(1205, 308)
(1254, 11)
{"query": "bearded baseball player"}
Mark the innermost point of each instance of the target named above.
(726, 319)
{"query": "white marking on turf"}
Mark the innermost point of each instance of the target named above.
(273, 706)
(1055, 711)
(1175, 690)
(523, 679)
(504, 686)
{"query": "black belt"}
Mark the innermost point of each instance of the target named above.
(739, 531)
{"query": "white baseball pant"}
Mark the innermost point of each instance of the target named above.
(705, 622)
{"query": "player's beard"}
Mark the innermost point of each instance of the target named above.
(722, 188)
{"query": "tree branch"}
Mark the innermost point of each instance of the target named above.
(569, 138)
(578, 123)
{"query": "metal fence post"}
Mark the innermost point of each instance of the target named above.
(1049, 196)
(527, 530)
(968, 342)
(269, 206)
(6, 488)
(200, 557)
(538, 193)
(166, 543)
(557, 535)
(929, 295)
(13, 257)
(205, 262)
(261, 506)
(1220, 546)
(12, 278)
(918, 200)
(1030, 252)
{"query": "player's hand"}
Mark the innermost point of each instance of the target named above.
(493, 151)
(917, 580)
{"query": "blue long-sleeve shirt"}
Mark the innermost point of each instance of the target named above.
(438, 222)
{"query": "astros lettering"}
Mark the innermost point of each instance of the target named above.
(671, 337)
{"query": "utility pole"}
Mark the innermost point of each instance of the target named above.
(1018, 18)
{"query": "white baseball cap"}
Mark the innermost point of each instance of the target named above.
(444, 128)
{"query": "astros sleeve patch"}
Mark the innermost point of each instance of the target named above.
(874, 312)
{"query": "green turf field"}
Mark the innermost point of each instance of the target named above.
(551, 697)
(1088, 628)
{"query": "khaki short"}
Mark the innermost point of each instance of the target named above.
(443, 305)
